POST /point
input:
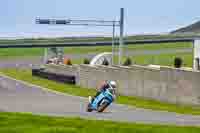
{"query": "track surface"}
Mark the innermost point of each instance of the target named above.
(16, 96)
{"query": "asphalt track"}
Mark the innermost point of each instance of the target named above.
(17, 96)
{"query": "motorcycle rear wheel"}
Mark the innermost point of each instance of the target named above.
(102, 107)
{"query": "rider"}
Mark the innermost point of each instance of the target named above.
(105, 85)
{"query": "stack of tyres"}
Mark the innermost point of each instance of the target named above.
(69, 79)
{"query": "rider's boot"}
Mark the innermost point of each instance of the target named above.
(90, 99)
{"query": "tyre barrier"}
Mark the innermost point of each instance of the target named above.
(69, 79)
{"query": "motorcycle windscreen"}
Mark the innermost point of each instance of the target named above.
(108, 95)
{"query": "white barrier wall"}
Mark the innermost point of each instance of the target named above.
(182, 86)
(163, 84)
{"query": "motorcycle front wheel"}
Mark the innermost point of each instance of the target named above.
(88, 108)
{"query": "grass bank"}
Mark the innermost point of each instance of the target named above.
(25, 75)
(17, 53)
(28, 123)
(160, 59)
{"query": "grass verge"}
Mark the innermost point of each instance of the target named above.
(28, 123)
(16, 52)
(160, 59)
(25, 75)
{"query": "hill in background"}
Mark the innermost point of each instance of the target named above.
(191, 29)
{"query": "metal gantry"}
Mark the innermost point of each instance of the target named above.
(104, 23)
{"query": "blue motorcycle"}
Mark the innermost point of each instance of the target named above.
(102, 101)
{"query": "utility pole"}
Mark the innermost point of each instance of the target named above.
(121, 41)
(113, 43)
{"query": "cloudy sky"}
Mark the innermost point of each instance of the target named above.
(141, 16)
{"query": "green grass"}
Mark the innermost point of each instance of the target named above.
(164, 59)
(160, 59)
(25, 75)
(52, 40)
(79, 39)
(28, 123)
(18, 53)
(99, 49)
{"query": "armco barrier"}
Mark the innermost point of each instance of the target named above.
(64, 69)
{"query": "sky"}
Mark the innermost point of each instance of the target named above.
(141, 16)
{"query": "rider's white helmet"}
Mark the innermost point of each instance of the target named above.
(112, 84)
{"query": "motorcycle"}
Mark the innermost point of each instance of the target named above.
(102, 101)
